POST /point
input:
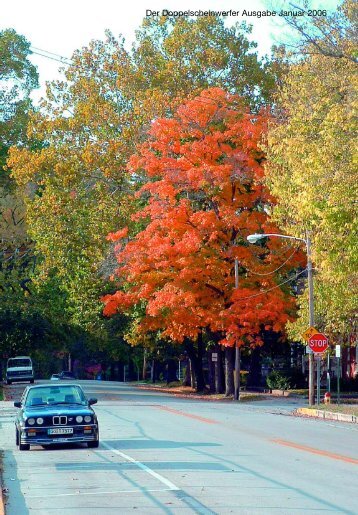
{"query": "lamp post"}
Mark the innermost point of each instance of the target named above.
(253, 238)
(237, 350)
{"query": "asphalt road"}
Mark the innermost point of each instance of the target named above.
(161, 454)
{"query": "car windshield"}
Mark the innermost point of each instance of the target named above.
(17, 362)
(64, 394)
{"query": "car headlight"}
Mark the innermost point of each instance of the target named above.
(40, 421)
(31, 421)
(79, 419)
(87, 418)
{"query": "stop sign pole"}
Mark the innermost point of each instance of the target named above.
(318, 343)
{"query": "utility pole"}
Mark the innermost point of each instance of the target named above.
(311, 320)
(237, 349)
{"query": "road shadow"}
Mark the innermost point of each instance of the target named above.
(14, 499)
(59, 447)
(183, 466)
(138, 443)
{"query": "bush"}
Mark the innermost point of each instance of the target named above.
(277, 381)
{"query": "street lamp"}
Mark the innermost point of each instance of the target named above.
(237, 349)
(253, 238)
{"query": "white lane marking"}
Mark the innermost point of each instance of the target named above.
(140, 465)
(78, 492)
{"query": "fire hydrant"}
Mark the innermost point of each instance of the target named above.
(327, 398)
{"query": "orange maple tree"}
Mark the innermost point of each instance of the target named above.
(204, 194)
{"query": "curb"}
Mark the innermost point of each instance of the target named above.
(2, 497)
(180, 394)
(327, 415)
(195, 396)
(2, 504)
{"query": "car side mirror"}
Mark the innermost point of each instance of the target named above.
(17, 404)
(92, 401)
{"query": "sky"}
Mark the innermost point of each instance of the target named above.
(62, 27)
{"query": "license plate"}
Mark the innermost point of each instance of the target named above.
(61, 431)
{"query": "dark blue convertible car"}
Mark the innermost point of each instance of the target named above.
(55, 414)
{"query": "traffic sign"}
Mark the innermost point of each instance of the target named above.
(309, 332)
(318, 343)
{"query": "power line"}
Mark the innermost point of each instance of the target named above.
(50, 55)
(273, 271)
(274, 287)
(47, 52)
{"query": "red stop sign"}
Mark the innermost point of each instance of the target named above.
(318, 342)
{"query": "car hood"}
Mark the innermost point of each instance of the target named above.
(62, 409)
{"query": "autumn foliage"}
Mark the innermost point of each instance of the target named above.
(203, 195)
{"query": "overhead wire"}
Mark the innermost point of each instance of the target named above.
(276, 269)
(54, 57)
(274, 287)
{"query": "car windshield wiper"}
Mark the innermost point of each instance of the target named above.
(35, 405)
(65, 402)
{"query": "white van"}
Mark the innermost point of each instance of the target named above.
(19, 369)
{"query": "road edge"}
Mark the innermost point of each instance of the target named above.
(202, 397)
(2, 498)
(327, 415)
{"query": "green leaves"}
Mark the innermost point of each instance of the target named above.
(312, 173)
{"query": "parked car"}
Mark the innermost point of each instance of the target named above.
(66, 374)
(55, 377)
(55, 414)
(18, 369)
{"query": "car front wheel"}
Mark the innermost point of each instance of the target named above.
(8, 382)
(17, 437)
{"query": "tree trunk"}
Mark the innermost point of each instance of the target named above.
(196, 358)
(192, 374)
(187, 378)
(152, 371)
(219, 371)
(144, 370)
(229, 370)
(211, 365)
(171, 371)
(254, 376)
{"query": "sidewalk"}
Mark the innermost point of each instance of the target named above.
(186, 392)
(5, 406)
(2, 500)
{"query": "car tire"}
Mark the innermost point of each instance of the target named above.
(24, 446)
(32, 381)
(8, 382)
(93, 445)
(17, 437)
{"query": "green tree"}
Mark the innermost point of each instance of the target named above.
(18, 77)
(91, 123)
(312, 170)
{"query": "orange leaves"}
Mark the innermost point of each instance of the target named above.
(204, 195)
(115, 236)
